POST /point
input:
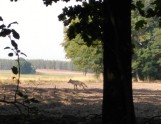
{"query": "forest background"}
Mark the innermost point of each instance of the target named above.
(146, 38)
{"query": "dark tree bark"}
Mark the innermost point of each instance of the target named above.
(117, 95)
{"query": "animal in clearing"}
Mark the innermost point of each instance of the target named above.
(77, 83)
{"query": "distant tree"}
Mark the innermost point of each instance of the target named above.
(26, 67)
(52, 64)
(145, 37)
(84, 57)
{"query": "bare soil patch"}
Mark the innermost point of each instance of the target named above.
(147, 102)
(57, 100)
(147, 99)
(60, 100)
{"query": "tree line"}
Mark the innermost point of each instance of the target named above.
(5, 64)
(146, 64)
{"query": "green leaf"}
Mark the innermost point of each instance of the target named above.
(14, 70)
(5, 32)
(15, 34)
(10, 54)
(140, 24)
(139, 4)
(2, 26)
(23, 54)
(7, 48)
(11, 24)
(14, 44)
(159, 22)
(150, 12)
(1, 19)
(133, 7)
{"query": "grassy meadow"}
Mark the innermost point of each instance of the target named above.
(56, 96)
(46, 75)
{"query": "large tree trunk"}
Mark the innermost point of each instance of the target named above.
(117, 95)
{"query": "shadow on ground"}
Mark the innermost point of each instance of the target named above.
(58, 106)
(68, 106)
(147, 106)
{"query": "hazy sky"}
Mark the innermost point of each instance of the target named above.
(40, 31)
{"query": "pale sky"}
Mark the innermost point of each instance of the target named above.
(41, 33)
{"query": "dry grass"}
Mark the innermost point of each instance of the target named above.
(147, 99)
(58, 97)
(55, 94)
(46, 75)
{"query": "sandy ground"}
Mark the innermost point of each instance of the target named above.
(147, 99)
(60, 98)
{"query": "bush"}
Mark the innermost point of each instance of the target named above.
(26, 67)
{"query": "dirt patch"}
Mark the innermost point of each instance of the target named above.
(60, 100)
(147, 102)
(57, 100)
(147, 99)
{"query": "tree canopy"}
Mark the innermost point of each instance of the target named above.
(145, 37)
(147, 9)
(84, 57)
(26, 67)
(89, 24)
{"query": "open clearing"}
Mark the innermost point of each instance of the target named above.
(58, 98)
(147, 99)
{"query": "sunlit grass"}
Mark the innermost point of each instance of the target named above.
(48, 76)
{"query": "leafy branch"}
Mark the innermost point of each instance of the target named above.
(7, 31)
